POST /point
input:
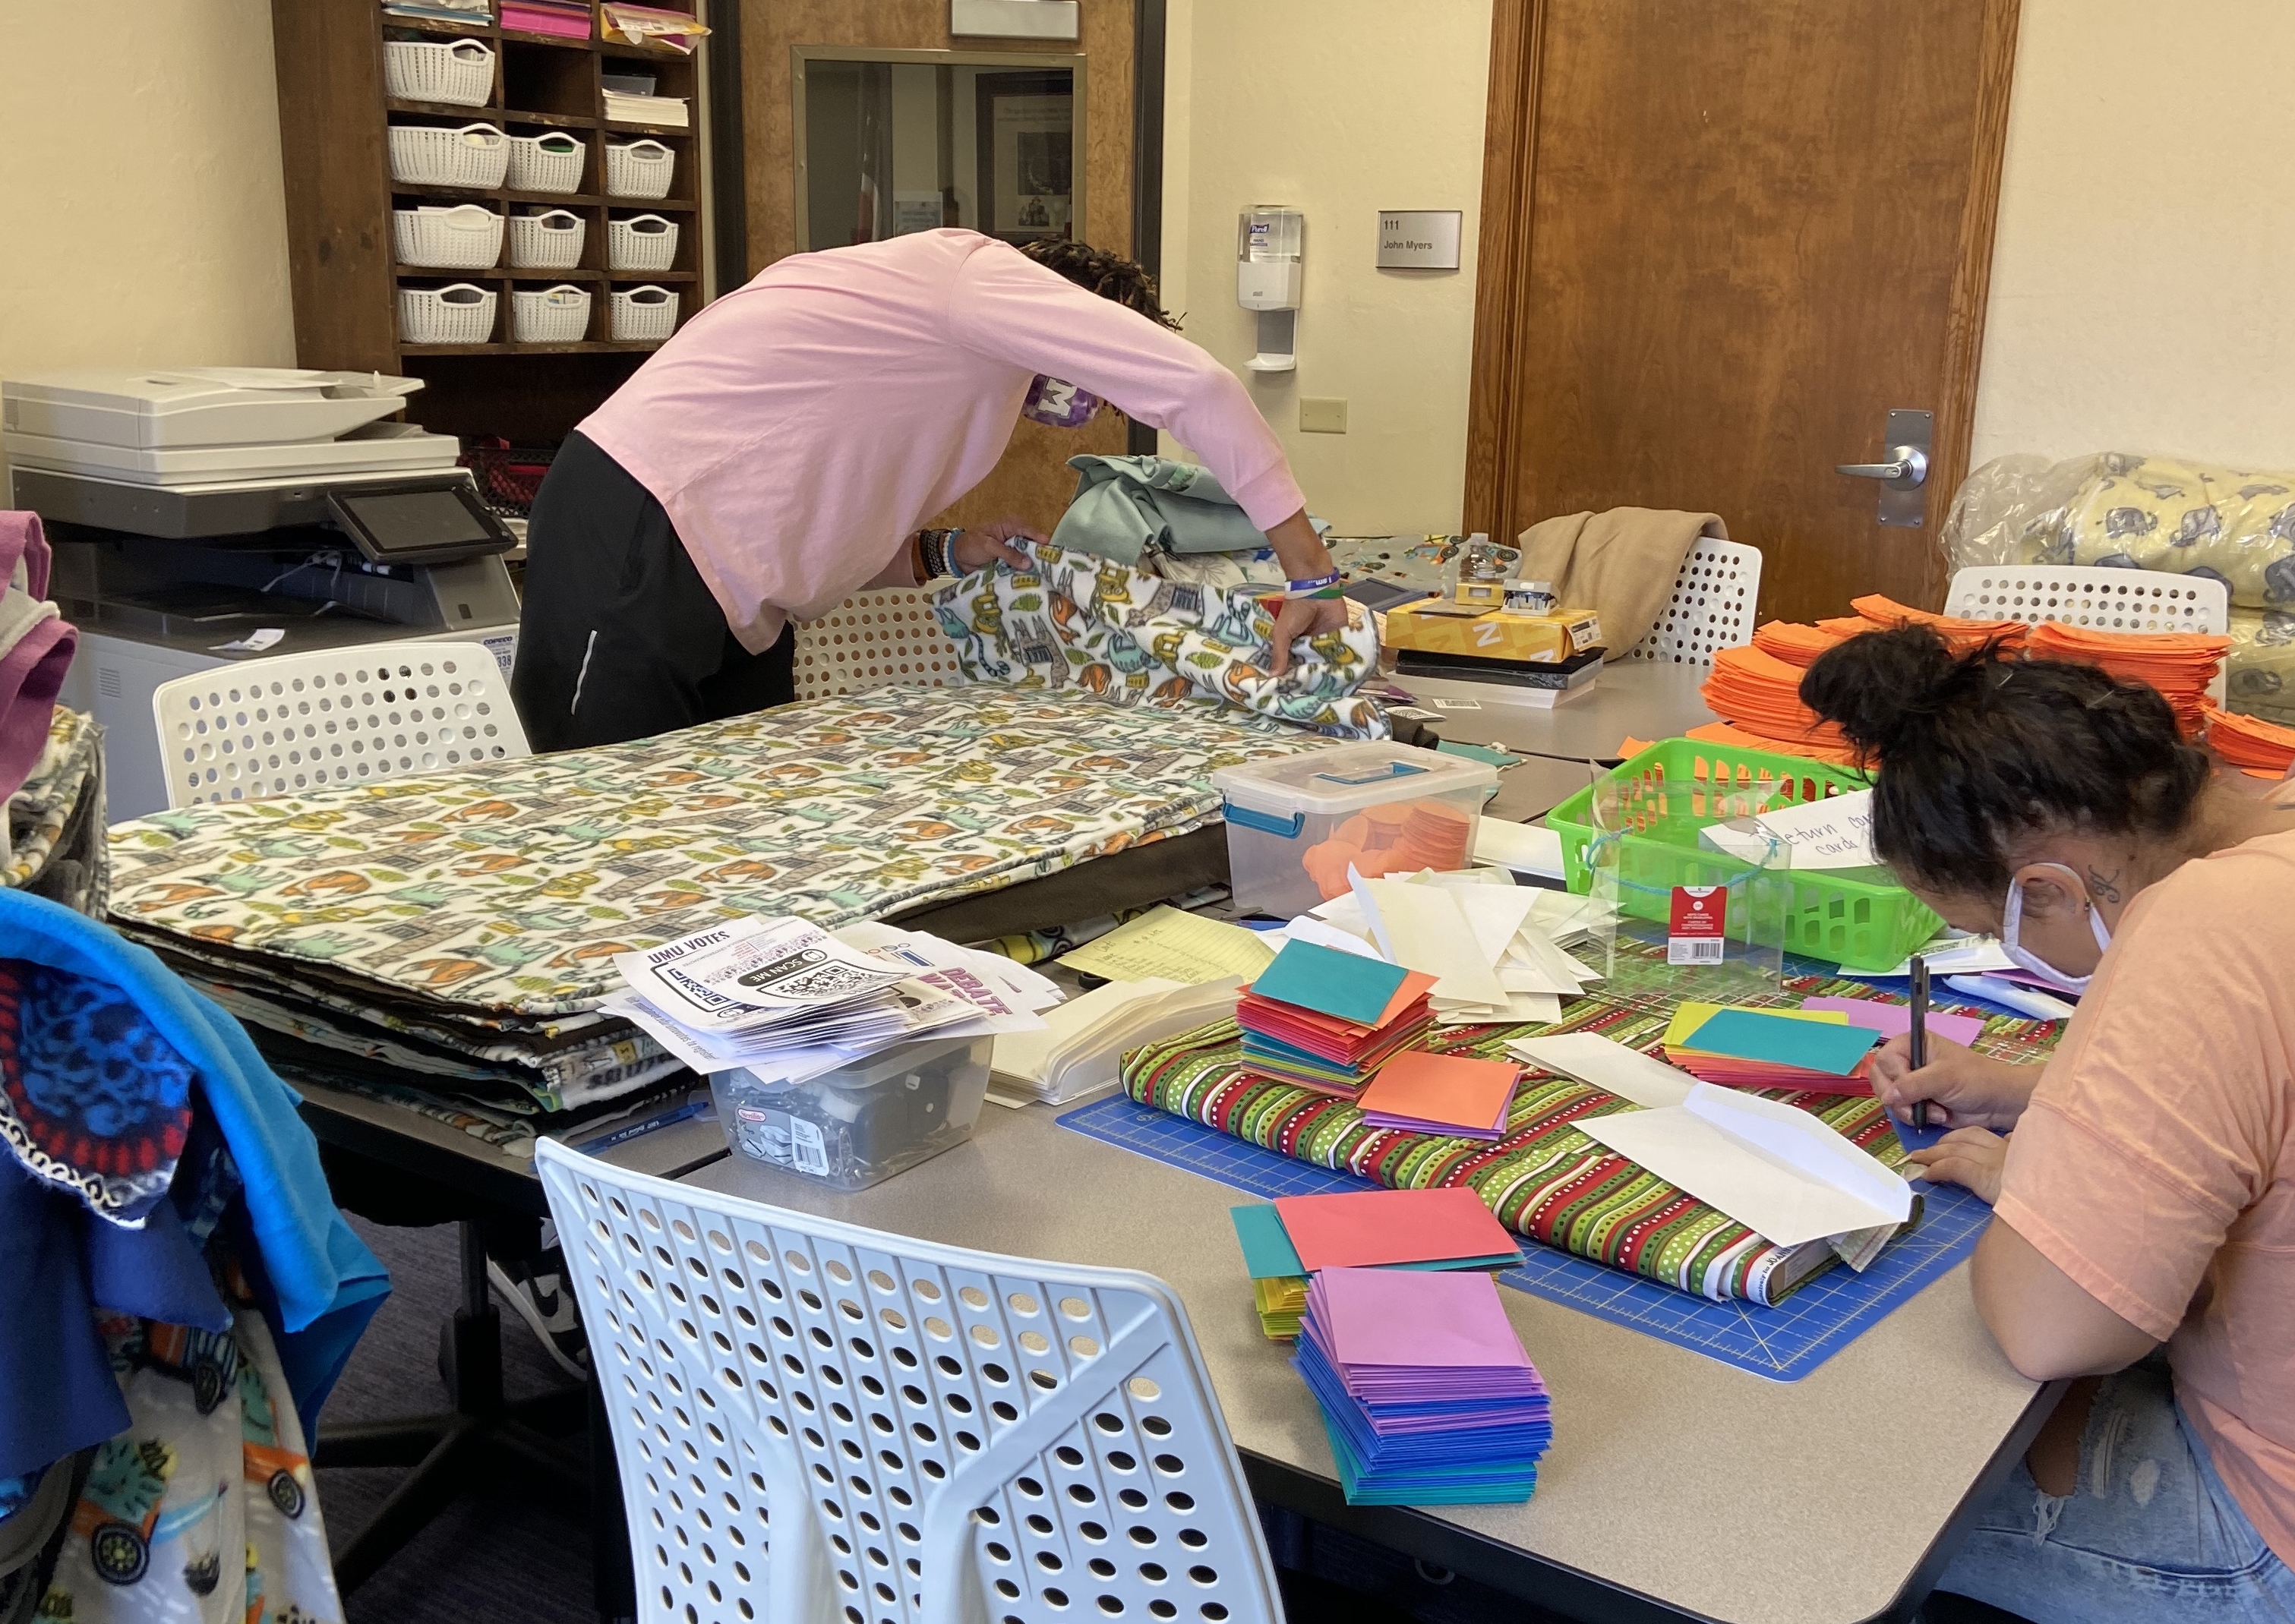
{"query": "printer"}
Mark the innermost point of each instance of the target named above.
(207, 515)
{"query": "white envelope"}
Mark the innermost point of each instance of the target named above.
(1423, 928)
(1777, 1170)
(1608, 1064)
(1531, 847)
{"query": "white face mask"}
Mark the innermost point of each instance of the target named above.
(2011, 918)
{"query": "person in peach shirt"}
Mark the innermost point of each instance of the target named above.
(2142, 1180)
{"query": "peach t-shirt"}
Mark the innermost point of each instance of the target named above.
(2155, 1165)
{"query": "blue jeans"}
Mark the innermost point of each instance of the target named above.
(2149, 1536)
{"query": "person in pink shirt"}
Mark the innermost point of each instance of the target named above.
(2143, 1239)
(780, 453)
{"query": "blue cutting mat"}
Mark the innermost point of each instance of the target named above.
(1784, 1343)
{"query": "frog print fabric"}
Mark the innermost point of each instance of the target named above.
(1079, 621)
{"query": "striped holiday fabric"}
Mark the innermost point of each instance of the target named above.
(1544, 1177)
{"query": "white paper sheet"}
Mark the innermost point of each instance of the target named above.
(1608, 1064)
(1423, 928)
(1531, 847)
(1321, 932)
(1834, 833)
(1777, 1170)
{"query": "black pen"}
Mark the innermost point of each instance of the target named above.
(1918, 1047)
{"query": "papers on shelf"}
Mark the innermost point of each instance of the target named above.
(1175, 946)
(669, 111)
(1778, 1170)
(1081, 1045)
(788, 1000)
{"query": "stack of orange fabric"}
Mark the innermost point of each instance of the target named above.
(2179, 664)
(2261, 749)
(1962, 636)
(1760, 694)
(1794, 643)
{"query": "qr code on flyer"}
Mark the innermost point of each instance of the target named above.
(827, 981)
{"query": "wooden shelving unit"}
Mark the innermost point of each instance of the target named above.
(334, 113)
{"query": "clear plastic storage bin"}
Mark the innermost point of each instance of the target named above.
(854, 1127)
(1295, 825)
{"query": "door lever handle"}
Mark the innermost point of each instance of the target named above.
(1907, 468)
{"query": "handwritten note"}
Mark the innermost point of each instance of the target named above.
(1181, 947)
(1830, 834)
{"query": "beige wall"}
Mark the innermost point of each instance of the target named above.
(140, 196)
(2140, 280)
(1340, 108)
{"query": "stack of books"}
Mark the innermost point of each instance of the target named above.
(1328, 1019)
(1426, 1392)
(564, 19)
(475, 12)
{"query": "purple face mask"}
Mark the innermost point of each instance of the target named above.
(1057, 405)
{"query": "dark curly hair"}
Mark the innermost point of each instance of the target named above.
(1097, 271)
(1978, 752)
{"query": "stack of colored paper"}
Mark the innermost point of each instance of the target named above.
(564, 19)
(2251, 744)
(1495, 948)
(1794, 642)
(1285, 1243)
(1814, 1049)
(1883, 614)
(1426, 1392)
(1419, 1092)
(1761, 694)
(1328, 1019)
(2181, 665)
(1895, 1020)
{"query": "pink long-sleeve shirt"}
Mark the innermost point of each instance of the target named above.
(799, 431)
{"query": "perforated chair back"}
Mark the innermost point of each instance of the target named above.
(875, 639)
(2090, 595)
(301, 721)
(929, 1434)
(1710, 607)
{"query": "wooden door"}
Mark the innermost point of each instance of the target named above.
(1032, 481)
(1720, 243)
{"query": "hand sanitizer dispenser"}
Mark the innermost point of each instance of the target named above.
(1267, 279)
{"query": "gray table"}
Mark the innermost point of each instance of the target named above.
(1636, 698)
(1676, 1486)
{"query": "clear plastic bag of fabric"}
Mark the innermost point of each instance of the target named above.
(2131, 511)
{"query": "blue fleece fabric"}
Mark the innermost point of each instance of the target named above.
(326, 1281)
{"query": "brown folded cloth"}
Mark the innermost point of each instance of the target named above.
(1621, 563)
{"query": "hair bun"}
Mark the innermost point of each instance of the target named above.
(1890, 691)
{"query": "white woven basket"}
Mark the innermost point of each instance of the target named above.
(459, 72)
(462, 237)
(642, 316)
(550, 241)
(551, 161)
(462, 313)
(646, 243)
(549, 316)
(426, 155)
(639, 168)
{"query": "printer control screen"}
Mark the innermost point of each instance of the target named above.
(413, 521)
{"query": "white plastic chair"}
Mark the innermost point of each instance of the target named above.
(298, 721)
(875, 639)
(1711, 607)
(2090, 595)
(931, 1435)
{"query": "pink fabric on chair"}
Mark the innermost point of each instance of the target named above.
(36, 649)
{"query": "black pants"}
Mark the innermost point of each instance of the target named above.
(619, 638)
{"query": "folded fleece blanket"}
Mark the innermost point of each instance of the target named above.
(1077, 621)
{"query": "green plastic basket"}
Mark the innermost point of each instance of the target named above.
(1679, 786)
